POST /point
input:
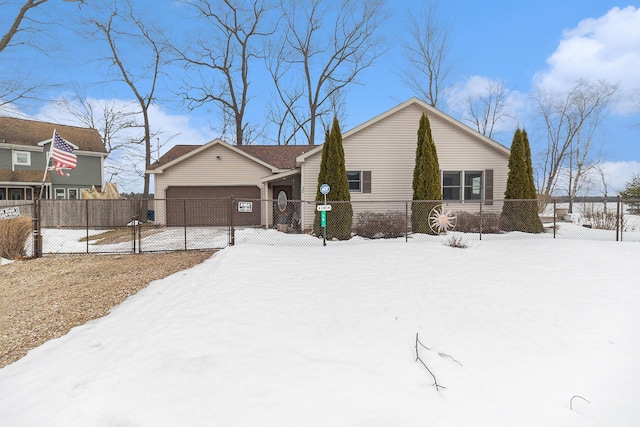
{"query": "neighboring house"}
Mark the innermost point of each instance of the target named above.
(24, 146)
(379, 158)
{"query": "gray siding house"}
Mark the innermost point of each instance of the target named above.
(379, 157)
(24, 145)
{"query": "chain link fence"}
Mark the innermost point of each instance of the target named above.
(136, 226)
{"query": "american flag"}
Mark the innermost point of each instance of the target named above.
(62, 155)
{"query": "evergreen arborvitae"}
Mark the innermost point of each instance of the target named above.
(531, 191)
(334, 173)
(632, 191)
(426, 179)
(520, 209)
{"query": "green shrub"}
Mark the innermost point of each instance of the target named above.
(13, 237)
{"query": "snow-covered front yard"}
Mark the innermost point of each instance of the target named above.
(326, 336)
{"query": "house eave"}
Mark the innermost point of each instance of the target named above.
(280, 175)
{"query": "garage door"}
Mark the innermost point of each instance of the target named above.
(210, 206)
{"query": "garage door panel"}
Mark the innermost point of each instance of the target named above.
(209, 206)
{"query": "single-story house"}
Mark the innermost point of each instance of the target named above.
(379, 158)
(24, 147)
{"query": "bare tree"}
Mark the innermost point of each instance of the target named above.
(571, 120)
(223, 56)
(427, 63)
(17, 88)
(16, 24)
(486, 109)
(128, 25)
(324, 46)
(112, 120)
(18, 85)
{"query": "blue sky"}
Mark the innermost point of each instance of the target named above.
(521, 43)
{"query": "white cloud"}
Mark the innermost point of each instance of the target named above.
(608, 177)
(599, 48)
(618, 174)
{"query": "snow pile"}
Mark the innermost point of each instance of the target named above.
(325, 336)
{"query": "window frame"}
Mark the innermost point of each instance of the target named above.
(77, 196)
(17, 153)
(16, 191)
(358, 181)
(58, 192)
(470, 188)
(457, 187)
(464, 186)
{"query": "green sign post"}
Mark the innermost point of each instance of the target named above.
(324, 189)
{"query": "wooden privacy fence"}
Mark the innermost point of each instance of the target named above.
(91, 213)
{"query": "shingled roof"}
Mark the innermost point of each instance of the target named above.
(279, 156)
(7, 175)
(31, 132)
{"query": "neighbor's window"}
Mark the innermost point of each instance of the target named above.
(355, 181)
(1, 193)
(72, 193)
(451, 185)
(16, 194)
(59, 193)
(473, 185)
(22, 158)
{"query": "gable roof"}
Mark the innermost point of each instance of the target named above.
(430, 111)
(276, 157)
(30, 133)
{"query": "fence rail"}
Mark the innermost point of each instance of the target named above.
(135, 226)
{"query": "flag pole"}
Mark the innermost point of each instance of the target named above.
(47, 157)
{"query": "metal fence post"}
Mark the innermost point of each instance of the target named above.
(232, 231)
(554, 218)
(37, 231)
(86, 209)
(184, 216)
(481, 201)
(406, 221)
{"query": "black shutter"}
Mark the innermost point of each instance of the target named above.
(366, 181)
(488, 186)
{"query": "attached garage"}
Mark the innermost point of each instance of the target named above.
(212, 205)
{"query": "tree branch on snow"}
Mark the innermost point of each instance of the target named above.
(418, 359)
(571, 401)
(444, 355)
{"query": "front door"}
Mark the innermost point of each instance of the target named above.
(283, 209)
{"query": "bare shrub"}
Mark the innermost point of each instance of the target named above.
(13, 237)
(469, 222)
(602, 220)
(380, 225)
(456, 241)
